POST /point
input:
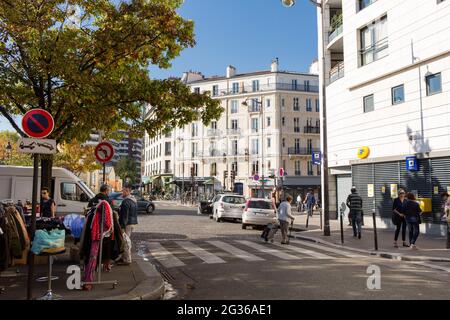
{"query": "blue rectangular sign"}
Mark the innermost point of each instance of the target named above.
(316, 158)
(412, 164)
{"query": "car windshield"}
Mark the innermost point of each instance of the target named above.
(260, 204)
(233, 200)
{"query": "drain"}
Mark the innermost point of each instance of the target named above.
(164, 273)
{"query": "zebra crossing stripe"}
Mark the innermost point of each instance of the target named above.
(328, 249)
(235, 251)
(268, 250)
(163, 256)
(199, 252)
(311, 253)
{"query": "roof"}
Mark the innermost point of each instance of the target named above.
(256, 73)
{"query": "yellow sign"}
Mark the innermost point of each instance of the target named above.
(363, 152)
(370, 191)
(394, 191)
(436, 190)
(383, 189)
(448, 189)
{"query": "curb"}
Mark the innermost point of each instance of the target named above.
(381, 254)
(152, 288)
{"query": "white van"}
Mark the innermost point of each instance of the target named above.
(69, 192)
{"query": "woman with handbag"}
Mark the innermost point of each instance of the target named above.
(398, 217)
(413, 212)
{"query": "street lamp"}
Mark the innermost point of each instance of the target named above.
(323, 113)
(260, 103)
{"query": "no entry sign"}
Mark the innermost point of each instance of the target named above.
(37, 123)
(104, 152)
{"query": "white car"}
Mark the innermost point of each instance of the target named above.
(258, 212)
(228, 206)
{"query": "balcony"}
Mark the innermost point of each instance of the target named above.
(337, 72)
(311, 129)
(269, 87)
(254, 108)
(301, 151)
(234, 132)
(336, 27)
(168, 153)
(212, 133)
(167, 170)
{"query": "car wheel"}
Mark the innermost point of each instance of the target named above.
(150, 209)
(244, 226)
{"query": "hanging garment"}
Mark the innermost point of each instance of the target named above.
(107, 222)
(75, 222)
(4, 241)
(25, 239)
(14, 239)
(92, 262)
(48, 241)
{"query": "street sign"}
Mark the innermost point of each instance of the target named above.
(281, 172)
(37, 123)
(104, 152)
(411, 164)
(256, 177)
(40, 146)
(316, 157)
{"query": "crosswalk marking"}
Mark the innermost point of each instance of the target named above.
(328, 249)
(163, 256)
(235, 251)
(311, 253)
(268, 250)
(199, 252)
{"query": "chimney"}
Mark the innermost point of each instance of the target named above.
(231, 71)
(274, 65)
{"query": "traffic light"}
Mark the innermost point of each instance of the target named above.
(225, 173)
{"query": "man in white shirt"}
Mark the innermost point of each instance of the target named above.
(285, 217)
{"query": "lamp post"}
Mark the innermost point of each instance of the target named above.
(323, 113)
(260, 103)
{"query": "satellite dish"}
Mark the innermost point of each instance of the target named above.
(288, 3)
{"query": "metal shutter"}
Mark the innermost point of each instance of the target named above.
(385, 175)
(440, 177)
(362, 175)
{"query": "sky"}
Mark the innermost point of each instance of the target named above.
(247, 34)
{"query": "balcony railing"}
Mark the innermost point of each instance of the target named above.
(337, 72)
(336, 27)
(311, 129)
(168, 153)
(269, 87)
(254, 108)
(167, 170)
(213, 133)
(233, 132)
(302, 151)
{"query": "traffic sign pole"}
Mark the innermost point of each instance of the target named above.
(33, 226)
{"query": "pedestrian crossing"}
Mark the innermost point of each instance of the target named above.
(171, 254)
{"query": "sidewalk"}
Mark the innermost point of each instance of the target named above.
(139, 281)
(431, 248)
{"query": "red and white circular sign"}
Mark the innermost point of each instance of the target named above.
(38, 123)
(281, 173)
(104, 152)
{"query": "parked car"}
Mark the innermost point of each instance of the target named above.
(206, 206)
(144, 206)
(228, 206)
(258, 212)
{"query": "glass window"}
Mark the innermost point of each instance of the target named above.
(294, 84)
(71, 191)
(255, 146)
(215, 91)
(298, 168)
(434, 84)
(283, 142)
(296, 105)
(234, 124)
(260, 204)
(306, 85)
(296, 124)
(365, 3)
(268, 121)
(309, 105)
(234, 106)
(368, 103)
(374, 41)
(268, 142)
(283, 121)
(282, 103)
(214, 125)
(234, 147)
(197, 90)
(255, 85)
(235, 87)
(233, 200)
(317, 105)
(255, 125)
(398, 94)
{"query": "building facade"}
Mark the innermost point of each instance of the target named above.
(277, 127)
(387, 78)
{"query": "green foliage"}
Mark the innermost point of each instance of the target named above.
(126, 168)
(87, 62)
(12, 158)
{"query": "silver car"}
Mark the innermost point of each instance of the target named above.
(228, 206)
(258, 212)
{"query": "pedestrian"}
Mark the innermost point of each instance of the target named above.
(299, 202)
(48, 208)
(310, 201)
(127, 219)
(354, 203)
(102, 195)
(413, 212)
(285, 217)
(398, 217)
(445, 205)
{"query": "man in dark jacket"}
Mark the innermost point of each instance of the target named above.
(103, 195)
(354, 203)
(128, 218)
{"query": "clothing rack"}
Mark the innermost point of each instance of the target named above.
(100, 254)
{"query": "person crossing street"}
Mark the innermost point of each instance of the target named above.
(285, 217)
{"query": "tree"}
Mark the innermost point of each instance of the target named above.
(87, 63)
(126, 168)
(13, 157)
(77, 158)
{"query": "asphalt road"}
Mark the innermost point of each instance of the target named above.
(202, 259)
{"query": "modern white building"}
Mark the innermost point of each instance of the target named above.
(388, 98)
(279, 128)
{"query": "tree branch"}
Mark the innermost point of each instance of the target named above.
(11, 121)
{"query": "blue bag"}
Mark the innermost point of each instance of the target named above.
(44, 240)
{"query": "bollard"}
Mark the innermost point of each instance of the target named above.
(375, 238)
(343, 207)
(448, 236)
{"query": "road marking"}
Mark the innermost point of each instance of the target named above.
(235, 251)
(314, 254)
(328, 249)
(163, 256)
(199, 252)
(268, 250)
